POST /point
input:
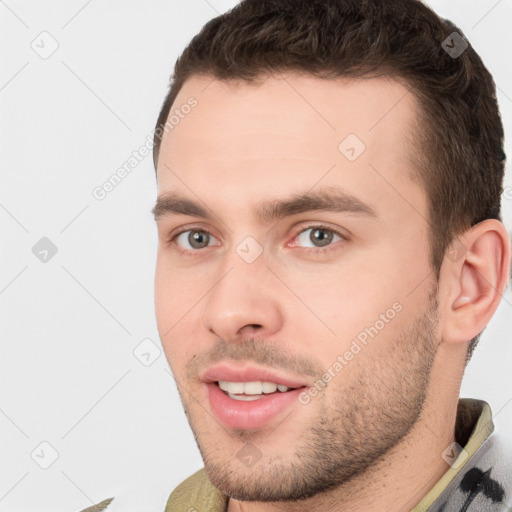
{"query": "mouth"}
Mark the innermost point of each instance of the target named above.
(250, 397)
(250, 411)
(252, 404)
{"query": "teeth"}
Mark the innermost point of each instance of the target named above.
(251, 388)
(231, 387)
(269, 387)
(245, 398)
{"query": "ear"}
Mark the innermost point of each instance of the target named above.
(474, 275)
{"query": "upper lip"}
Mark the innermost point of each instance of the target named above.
(229, 373)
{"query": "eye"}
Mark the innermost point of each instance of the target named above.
(320, 239)
(192, 240)
(319, 236)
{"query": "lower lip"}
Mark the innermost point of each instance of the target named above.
(251, 414)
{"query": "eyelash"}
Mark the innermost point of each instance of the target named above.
(309, 250)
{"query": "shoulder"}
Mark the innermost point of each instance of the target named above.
(196, 493)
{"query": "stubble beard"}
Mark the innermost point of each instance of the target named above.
(347, 433)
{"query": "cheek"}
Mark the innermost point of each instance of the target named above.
(174, 293)
(176, 296)
(170, 299)
(164, 295)
(341, 296)
(349, 301)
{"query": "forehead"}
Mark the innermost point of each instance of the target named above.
(287, 134)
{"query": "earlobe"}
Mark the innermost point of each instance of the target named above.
(474, 284)
(460, 301)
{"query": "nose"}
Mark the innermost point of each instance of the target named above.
(243, 302)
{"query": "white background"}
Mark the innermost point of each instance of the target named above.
(68, 373)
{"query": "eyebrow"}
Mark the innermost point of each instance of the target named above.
(328, 199)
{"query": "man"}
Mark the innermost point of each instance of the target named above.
(330, 249)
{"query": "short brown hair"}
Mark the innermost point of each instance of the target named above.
(459, 158)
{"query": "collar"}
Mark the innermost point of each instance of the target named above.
(472, 427)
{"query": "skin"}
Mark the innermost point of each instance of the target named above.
(372, 438)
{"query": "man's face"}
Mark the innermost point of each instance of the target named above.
(339, 300)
